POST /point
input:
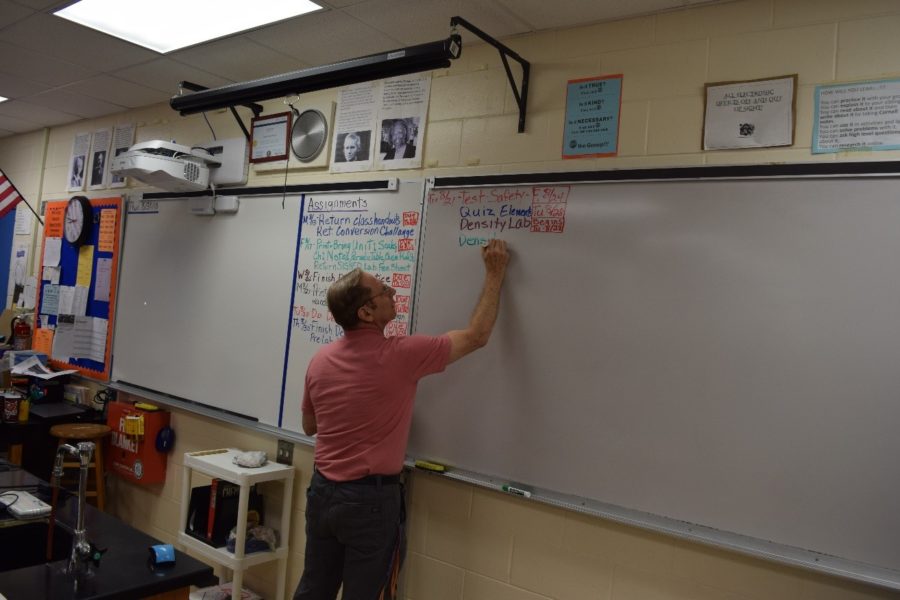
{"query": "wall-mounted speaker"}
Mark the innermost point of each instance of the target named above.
(309, 134)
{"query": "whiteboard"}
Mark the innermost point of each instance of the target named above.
(717, 352)
(226, 311)
(340, 232)
(204, 303)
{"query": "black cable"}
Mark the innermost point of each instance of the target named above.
(104, 396)
(7, 505)
(284, 186)
(287, 165)
(210, 127)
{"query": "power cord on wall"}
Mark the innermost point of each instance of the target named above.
(210, 126)
(102, 398)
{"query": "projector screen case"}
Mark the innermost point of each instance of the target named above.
(414, 59)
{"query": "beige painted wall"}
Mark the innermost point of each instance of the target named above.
(467, 543)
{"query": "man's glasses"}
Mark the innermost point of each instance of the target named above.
(385, 290)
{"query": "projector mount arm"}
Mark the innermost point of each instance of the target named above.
(256, 108)
(520, 95)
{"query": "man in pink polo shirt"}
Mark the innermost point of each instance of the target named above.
(358, 400)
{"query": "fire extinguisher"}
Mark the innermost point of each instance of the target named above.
(21, 333)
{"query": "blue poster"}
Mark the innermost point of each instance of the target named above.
(592, 117)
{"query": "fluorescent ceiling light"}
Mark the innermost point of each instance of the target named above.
(2, 99)
(167, 25)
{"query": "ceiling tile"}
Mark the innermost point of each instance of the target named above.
(164, 74)
(27, 111)
(542, 14)
(339, 3)
(16, 125)
(420, 21)
(493, 18)
(117, 91)
(83, 106)
(35, 66)
(13, 86)
(58, 72)
(10, 12)
(74, 43)
(43, 4)
(324, 38)
(237, 58)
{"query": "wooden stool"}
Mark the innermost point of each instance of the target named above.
(86, 432)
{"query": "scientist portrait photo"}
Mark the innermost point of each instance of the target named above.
(76, 177)
(401, 137)
(99, 166)
(353, 146)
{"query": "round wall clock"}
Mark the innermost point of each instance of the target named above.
(79, 220)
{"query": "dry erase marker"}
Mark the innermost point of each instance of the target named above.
(430, 466)
(517, 491)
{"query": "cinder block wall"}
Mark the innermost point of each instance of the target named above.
(468, 543)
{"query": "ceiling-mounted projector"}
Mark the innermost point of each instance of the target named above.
(166, 165)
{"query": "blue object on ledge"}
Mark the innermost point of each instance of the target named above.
(162, 555)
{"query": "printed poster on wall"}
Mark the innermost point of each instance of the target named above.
(592, 117)
(750, 114)
(18, 271)
(381, 124)
(354, 123)
(123, 138)
(401, 121)
(99, 158)
(24, 220)
(81, 145)
(857, 116)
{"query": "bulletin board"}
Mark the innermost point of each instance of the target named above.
(75, 307)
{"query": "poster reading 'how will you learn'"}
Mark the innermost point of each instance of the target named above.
(375, 231)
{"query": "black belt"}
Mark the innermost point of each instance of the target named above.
(367, 480)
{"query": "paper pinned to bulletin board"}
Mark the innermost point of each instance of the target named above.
(75, 308)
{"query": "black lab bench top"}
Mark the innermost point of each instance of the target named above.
(123, 573)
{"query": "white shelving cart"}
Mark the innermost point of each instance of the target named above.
(219, 463)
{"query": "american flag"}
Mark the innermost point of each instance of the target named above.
(9, 195)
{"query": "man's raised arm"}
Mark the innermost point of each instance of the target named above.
(476, 335)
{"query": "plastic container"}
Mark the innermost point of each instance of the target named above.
(11, 406)
(24, 410)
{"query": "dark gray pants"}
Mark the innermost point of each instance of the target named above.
(354, 535)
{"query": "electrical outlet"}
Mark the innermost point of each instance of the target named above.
(285, 452)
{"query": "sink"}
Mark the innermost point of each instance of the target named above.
(25, 545)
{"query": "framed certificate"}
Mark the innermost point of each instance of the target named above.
(270, 137)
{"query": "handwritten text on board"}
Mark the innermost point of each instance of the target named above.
(339, 235)
(486, 213)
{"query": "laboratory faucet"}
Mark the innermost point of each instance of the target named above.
(82, 552)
